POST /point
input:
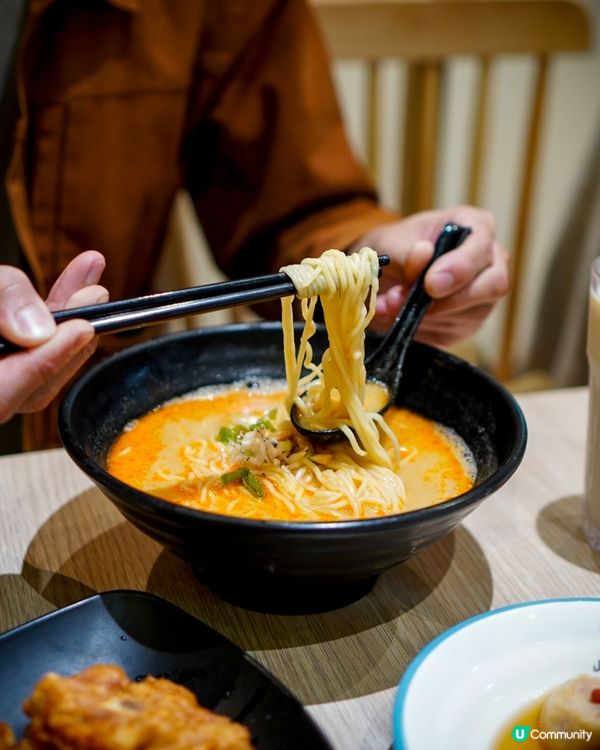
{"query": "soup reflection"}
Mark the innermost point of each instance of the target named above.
(232, 450)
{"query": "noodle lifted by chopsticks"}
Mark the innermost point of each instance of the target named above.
(332, 394)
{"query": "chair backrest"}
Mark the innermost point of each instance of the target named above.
(426, 35)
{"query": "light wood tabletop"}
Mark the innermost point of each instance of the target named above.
(61, 540)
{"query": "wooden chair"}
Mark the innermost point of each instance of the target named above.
(426, 35)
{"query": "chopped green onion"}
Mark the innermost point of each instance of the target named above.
(247, 478)
(231, 434)
(262, 422)
(252, 484)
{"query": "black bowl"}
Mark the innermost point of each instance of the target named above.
(278, 565)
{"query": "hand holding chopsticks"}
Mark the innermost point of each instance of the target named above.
(137, 312)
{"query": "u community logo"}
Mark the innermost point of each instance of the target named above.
(520, 733)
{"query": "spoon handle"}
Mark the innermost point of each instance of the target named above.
(385, 363)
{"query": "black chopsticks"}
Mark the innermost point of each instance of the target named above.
(137, 312)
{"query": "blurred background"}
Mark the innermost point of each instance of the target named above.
(492, 102)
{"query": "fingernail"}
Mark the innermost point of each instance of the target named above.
(33, 322)
(442, 282)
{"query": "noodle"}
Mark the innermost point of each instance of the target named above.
(332, 394)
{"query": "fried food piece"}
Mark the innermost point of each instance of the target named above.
(102, 709)
(572, 711)
(7, 738)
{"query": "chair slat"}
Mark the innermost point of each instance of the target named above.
(479, 131)
(421, 131)
(372, 110)
(429, 30)
(524, 207)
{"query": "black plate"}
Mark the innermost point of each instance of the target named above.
(147, 635)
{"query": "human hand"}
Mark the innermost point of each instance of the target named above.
(30, 379)
(465, 283)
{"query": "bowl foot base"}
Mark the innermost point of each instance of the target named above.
(288, 597)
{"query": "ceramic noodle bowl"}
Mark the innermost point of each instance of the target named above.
(284, 565)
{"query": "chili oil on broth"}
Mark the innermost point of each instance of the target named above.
(158, 454)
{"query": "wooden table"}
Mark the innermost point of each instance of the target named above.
(61, 540)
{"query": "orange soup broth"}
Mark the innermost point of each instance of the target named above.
(528, 717)
(151, 455)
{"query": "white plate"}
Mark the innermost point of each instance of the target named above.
(463, 687)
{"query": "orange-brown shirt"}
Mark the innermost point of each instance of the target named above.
(124, 102)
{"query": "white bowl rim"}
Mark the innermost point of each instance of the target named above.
(399, 738)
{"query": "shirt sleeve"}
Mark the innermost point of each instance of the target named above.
(267, 160)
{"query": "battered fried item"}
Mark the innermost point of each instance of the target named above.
(102, 709)
(570, 715)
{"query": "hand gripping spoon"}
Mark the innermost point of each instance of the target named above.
(384, 365)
